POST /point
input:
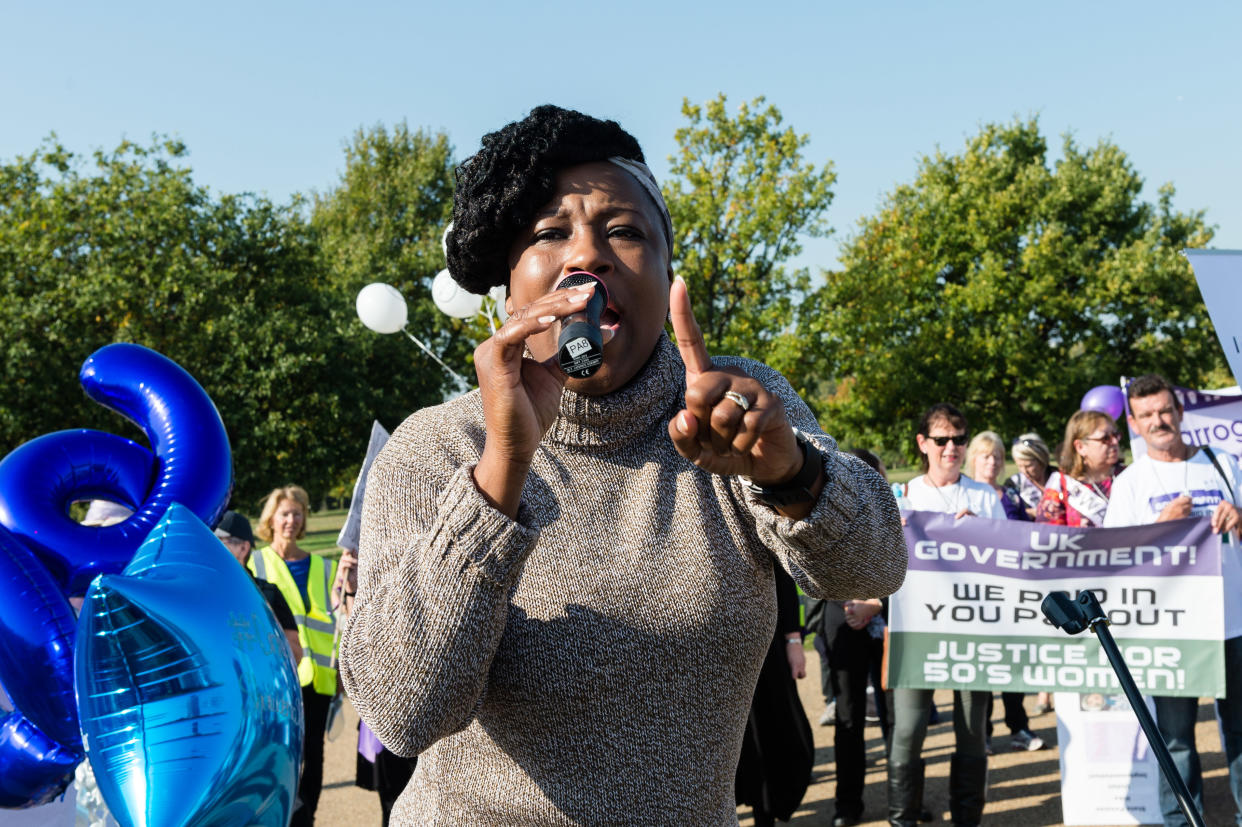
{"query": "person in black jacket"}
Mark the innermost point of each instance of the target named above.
(853, 636)
(234, 532)
(778, 751)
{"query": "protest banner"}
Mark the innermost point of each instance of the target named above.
(968, 616)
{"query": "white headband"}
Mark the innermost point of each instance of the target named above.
(642, 174)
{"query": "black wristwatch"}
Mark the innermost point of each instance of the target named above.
(797, 490)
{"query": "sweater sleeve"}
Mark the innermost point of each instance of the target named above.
(851, 545)
(436, 566)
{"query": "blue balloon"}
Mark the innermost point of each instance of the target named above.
(189, 462)
(37, 630)
(34, 769)
(190, 706)
(40, 479)
(39, 740)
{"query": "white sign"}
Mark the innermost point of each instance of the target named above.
(1219, 273)
(1109, 774)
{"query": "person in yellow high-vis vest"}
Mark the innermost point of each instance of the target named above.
(305, 581)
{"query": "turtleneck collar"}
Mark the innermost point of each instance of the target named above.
(654, 394)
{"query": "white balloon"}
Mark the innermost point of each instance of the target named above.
(381, 308)
(452, 299)
(498, 294)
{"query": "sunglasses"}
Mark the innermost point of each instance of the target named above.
(1111, 436)
(956, 439)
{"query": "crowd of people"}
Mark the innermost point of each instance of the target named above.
(1091, 487)
(567, 589)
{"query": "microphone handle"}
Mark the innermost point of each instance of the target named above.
(581, 346)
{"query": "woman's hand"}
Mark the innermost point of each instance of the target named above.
(521, 397)
(717, 433)
(346, 584)
(858, 613)
(796, 655)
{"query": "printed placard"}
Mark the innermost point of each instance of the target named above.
(968, 616)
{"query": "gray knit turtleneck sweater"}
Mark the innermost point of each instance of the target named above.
(593, 661)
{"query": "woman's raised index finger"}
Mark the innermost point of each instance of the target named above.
(686, 328)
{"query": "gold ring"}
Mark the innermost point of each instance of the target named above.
(738, 399)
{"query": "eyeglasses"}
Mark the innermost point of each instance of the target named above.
(956, 439)
(1029, 443)
(1111, 436)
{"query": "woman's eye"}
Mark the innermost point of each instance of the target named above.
(624, 232)
(549, 234)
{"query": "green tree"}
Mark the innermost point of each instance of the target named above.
(1008, 286)
(383, 223)
(126, 247)
(741, 198)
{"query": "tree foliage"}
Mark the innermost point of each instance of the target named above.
(1008, 286)
(383, 222)
(129, 249)
(244, 294)
(741, 198)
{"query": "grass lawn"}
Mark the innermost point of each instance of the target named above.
(321, 531)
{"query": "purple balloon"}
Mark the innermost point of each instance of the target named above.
(1108, 399)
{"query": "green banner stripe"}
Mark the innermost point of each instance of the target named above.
(925, 660)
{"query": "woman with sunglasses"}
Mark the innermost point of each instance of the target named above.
(1090, 455)
(941, 438)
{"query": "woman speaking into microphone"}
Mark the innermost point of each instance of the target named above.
(566, 583)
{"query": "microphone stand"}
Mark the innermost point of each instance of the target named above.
(1073, 616)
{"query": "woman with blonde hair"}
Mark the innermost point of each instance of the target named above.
(305, 581)
(1034, 462)
(985, 459)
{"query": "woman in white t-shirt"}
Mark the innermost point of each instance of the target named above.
(941, 437)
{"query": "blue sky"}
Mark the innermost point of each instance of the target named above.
(266, 94)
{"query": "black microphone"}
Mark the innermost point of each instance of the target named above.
(580, 347)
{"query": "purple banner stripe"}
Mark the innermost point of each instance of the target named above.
(1035, 551)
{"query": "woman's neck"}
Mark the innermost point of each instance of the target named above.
(1090, 475)
(287, 549)
(938, 478)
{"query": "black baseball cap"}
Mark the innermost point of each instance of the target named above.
(235, 525)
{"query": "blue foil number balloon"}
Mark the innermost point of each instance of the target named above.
(39, 740)
(190, 707)
(189, 462)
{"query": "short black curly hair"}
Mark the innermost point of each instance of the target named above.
(503, 185)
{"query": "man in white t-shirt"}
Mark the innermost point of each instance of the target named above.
(1175, 480)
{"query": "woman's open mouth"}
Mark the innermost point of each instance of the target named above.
(610, 319)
